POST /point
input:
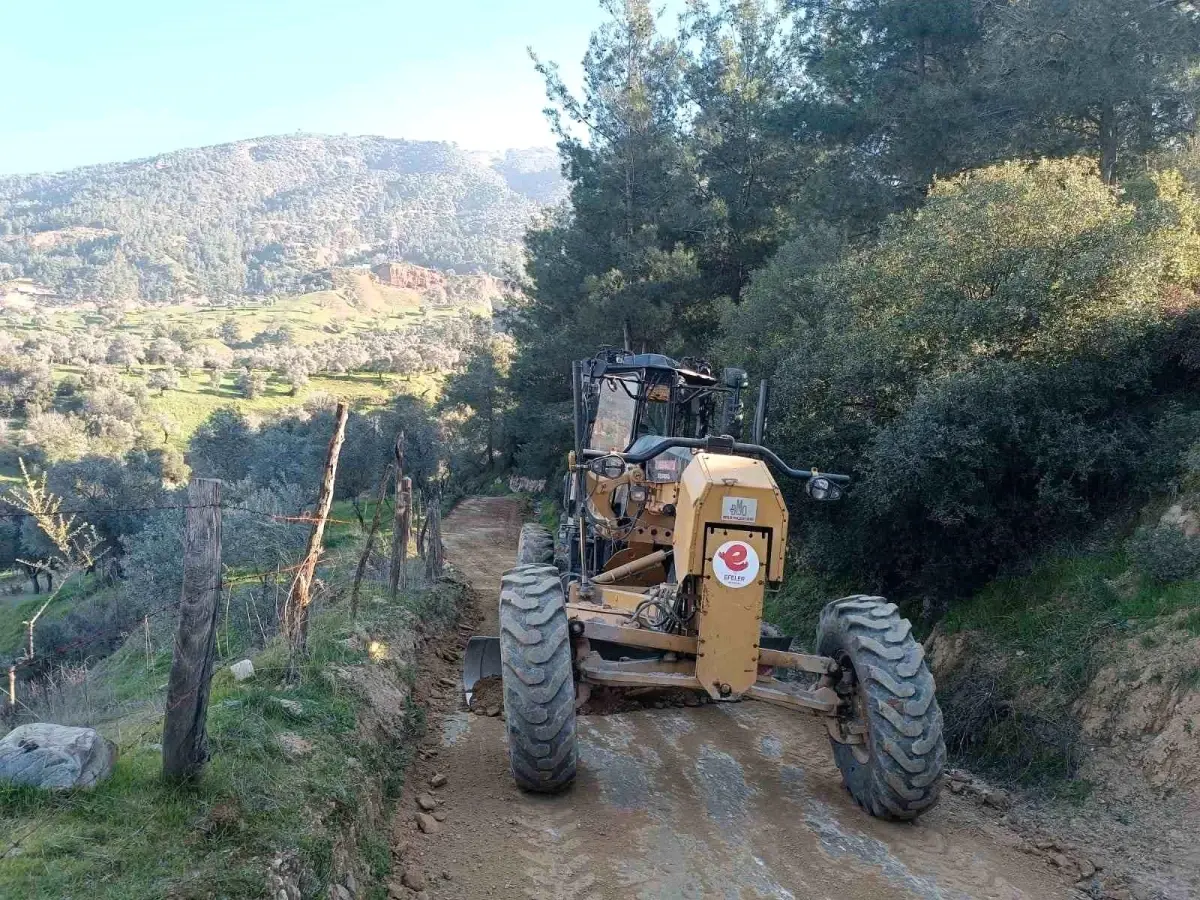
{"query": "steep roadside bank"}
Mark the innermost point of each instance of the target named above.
(1133, 798)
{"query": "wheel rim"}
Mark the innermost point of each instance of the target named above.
(853, 709)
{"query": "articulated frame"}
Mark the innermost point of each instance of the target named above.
(724, 511)
(677, 667)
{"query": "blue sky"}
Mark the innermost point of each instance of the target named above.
(105, 80)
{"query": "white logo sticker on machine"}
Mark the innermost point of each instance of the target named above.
(735, 564)
(738, 509)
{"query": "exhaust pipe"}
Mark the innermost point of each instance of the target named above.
(760, 413)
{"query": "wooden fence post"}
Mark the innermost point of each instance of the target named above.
(406, 530)
(12, 687)
(185, 740)
(370, 544)
(399, 517)
(435, 551)
(423, 531)
(420, 519)
(296, 618)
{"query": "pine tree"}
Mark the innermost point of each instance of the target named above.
(1110, 78)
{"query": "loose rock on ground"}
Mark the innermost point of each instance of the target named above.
(56, 757)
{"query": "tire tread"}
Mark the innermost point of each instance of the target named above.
(906, 748)
(535, 546)
(539, 687)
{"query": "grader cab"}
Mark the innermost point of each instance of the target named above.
(671, 531)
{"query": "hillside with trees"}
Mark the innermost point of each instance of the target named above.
(937, 227)
(267, 216)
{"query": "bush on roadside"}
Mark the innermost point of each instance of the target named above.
(1164, 553)
(994, 371)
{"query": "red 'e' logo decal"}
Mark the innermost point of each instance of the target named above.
(735, 557)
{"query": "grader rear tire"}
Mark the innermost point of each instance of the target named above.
(896, 774)
(535, 545)
(539, 686)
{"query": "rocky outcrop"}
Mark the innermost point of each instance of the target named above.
(56, 757)
(411, 277)
(439, 288)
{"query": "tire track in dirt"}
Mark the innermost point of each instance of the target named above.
(558, 866)
(725, 800)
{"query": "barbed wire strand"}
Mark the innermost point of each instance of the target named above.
(298, 518)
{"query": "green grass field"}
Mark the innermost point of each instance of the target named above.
(366, 306)
(312, 317)
(189, 405)
(196, 399)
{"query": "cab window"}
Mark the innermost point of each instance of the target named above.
(614, 415)
(656, 412)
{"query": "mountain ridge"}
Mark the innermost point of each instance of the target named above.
(269, 215)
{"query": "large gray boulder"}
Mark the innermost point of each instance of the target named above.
(56, 757)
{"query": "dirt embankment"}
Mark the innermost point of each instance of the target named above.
(1146, 709)
(721, 800)
(1140, 756)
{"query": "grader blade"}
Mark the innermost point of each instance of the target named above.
(481, 660)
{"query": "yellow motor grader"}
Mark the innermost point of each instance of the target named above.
(672, 529)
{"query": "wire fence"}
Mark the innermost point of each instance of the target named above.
(204, 579)
(299, 518)
(75, 799)
(49, 657)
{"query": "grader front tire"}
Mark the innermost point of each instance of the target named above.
(535, 545)
(539, 687)
(889, 691)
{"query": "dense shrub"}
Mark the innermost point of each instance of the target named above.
(1164, 553)
(1191, 461)
(995, 370)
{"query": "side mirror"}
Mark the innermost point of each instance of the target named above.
(821, 488)
(607, 467)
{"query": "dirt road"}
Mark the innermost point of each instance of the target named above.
(721, 801)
